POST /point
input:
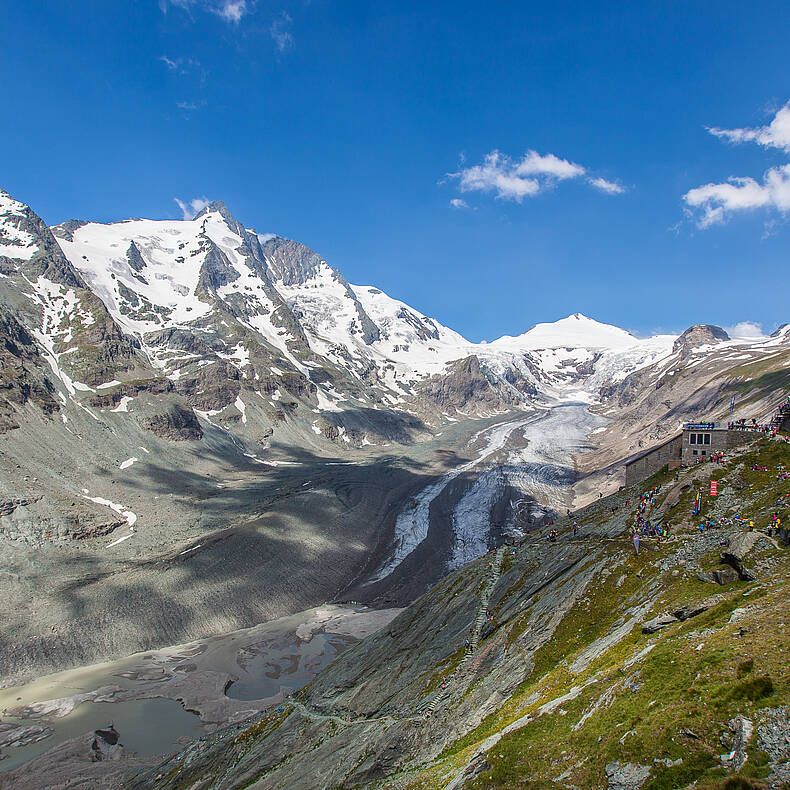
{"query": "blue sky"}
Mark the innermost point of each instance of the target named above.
(370, 132)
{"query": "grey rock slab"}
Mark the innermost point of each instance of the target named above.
(626, 776)
(725, 575)
(698, 607)
(657, 623)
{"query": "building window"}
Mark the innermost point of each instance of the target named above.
(692, 438)
(696, 452)
(704, 452)
(707, 438)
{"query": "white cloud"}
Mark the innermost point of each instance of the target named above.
(283, 38)
(230, 10)
(718, 201)
(180, 65)
(610, 187)
(459, 203)
(190, 106)
(775, 135)
(745, 330)
(192, 207)
(526, 177)
(533, 164)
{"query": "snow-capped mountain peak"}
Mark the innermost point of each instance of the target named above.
(575, 331)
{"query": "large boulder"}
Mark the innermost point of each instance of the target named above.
(740, 546)
(106, 745)
(626, 776)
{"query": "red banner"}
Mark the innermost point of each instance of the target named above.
(714, 487)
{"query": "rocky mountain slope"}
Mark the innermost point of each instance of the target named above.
(585, 665)
(203, 427)
(569, 664)
(247, 329)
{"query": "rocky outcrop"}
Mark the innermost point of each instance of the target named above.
(210, 387)
(66, 229)
(290, 263)
(699, 335)
(686, 612)
(719, 576)
(626, 776)
(177, 424)
(465, 384)
(135, 258)
(106, 745)
(655, 624)
(215, 272)
(111, 397)
(737, 737)
(740, 546)
(24, 375)
(773, 736)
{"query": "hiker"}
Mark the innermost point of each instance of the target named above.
(636, 542)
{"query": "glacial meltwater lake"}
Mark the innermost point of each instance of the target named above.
(266, 669)
(146, 726)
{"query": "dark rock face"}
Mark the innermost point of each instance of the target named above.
(134, 257)
(685, 613)
(66, 229)
(699, 335)
(23, 375)
(211, 387)
(106, 745)
(216, 271)
(291, 262)
(425, 329)
(176, 424)
(97, 347)
(657, 623)
(719, 576)
(111, 398)
(464, 383)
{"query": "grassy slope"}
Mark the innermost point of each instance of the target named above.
(697, 675)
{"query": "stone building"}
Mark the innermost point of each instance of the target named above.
(649, 462)
(694, 444)
(701, 439)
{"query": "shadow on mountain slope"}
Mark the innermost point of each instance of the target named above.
(268, 542)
